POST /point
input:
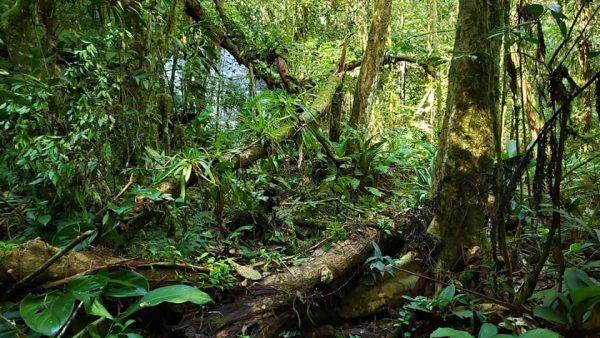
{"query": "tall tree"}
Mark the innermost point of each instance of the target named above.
(468, 139)
(373, 57)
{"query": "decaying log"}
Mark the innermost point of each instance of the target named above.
(270, 299)
(21, 261)
(366, 300)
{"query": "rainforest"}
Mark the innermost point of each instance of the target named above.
(299, 168)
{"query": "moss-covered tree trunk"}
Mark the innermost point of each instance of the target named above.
(465, 158)
(373, 57)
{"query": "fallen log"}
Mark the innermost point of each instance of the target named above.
(22, 260)
(270, 300)
(367, 300)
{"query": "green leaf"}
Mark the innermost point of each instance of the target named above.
(535, 10)
(86, 287)
(171, 294)
(126, 284)
(98, 309)
(551, 315)
(575, 279)
(44, 219)
(46, 314)
(450, 332)
(588, 292)
(540, 333)
(175, 294)
(487, 330)
(354, 183)
(463, 314)
(375, 191)
(448, 293)
(556, 9)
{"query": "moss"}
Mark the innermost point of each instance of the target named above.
(178, 135)
(152, 138)
(165, 107)
(16, 21)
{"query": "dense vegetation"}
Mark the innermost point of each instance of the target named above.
(299, 168)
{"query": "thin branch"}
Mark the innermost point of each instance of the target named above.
(98, 215)
(19, 212)
(64, 329)
(579, 36)
(568, 37)
(13, 326)
(475, 293)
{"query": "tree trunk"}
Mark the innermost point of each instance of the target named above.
(584, 47)
(373, 57)
(465, 157)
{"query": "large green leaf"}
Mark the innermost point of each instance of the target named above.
(540, 333)
(86, 287)
(549, 314)
(171, 294)
(46, 314)
(446, 296)
(450, 332)
(175, 294)
(576, 279)
(584, 293)
(126, 284)
(487, 330)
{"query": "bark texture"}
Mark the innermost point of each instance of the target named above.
(466, 150)
(372, 61)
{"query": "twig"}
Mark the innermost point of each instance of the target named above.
(94, 323)
(568, 36)
(124, 264)
(478, 294)
(13, 326)
(19, 212)
(98, 216)
(52, 260)
(64, 329)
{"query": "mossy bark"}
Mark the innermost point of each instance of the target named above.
(372, 61)
(16, 23)
(464, 163)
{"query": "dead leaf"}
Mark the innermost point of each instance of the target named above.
(246, 272)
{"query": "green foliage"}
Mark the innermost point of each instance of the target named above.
(572, 307)
(491, 331)
(48, 313)
(377, 264)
